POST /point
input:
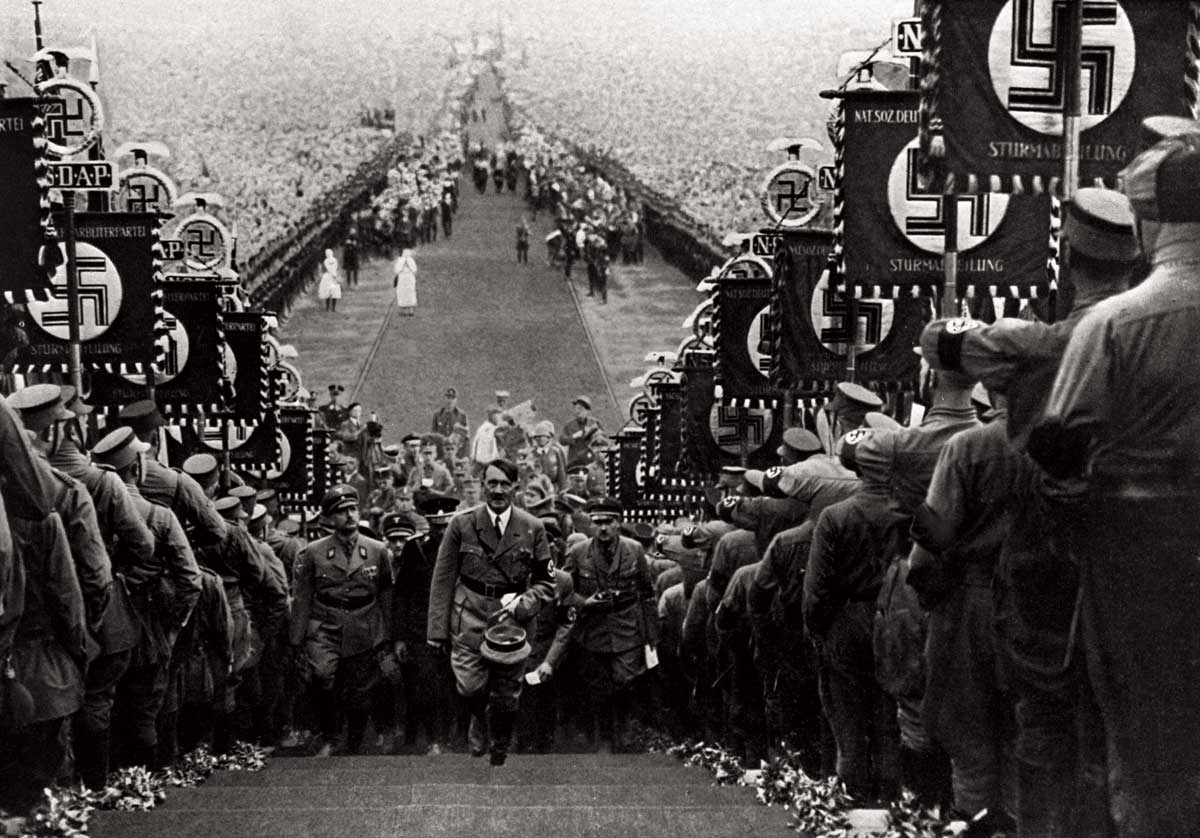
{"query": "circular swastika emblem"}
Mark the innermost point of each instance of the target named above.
(829, 320)
(100, 295)
(1027, 60)
(723, 424)
(920, 216)
(789, 195)
(204, 242)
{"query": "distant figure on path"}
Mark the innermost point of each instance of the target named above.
(405, 282)
(330, 288)
(350, 258)
(523, 241)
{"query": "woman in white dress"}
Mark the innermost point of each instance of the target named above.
(405, 282)
(330, 288)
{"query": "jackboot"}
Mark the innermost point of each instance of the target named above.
(356, 726)
(477, 733)
(501, 730)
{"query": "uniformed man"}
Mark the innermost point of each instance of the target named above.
(1120, 442)
(742, 686)
(162, 595)
(129, 545)
(852, 545)
(967, 512)
(332, 411)
(170, 487)
(577, 480)
(549, 645)
(579, 430)
(430, 476)
(341, 616)
(493, 566)
(764, 516)
(204, 470)
(257, 605)
(798, 445)
(425, 671)
(1060, 745)
(449, 420)
(550, 455)
(615, 636)
(43, 631)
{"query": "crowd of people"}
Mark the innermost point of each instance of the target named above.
(688, 111)
(595, 221)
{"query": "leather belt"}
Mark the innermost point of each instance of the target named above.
(344, 604)
(490, 591)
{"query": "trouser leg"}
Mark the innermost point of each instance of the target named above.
(93, 723)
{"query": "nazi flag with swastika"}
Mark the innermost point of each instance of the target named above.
(894, 232)
(190, 379)
(22, 156)
(811, 331)
(120, 311)
(712, 433)
(743, 335)
(995, 75)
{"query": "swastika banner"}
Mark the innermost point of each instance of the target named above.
(296, 454)
(191, 377)
(995, 73)
(712, 432)
(246, 366)
(894, 229)
(625, 477)
(668, 434)
(741, 322)
(813, 333)
(22, 218)
(120, 309)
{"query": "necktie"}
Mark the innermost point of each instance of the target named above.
(499, 529)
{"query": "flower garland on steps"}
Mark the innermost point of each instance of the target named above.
(66, 811)
(818, 808)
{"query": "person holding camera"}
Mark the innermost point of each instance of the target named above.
(616, 632)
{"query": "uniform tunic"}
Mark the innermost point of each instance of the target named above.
(183, 496)
(342, 604)
(471, 556)
(611, 634)
(1121, 437)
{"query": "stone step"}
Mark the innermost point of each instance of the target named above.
(427, 821)
(391, 763)
(288, 798)
(475, 772)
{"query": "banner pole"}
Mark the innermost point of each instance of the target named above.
(851, 333)
(949, 301)
(1072, 129)
(74, 360)
(224, 455)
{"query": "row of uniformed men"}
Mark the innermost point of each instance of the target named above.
(999, 612)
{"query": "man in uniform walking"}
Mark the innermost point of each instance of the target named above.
(618, 620)
(450, 422)
(341, 617)
(162, 595)
(494, 565)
